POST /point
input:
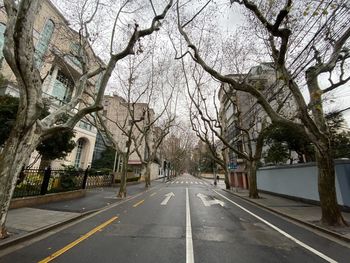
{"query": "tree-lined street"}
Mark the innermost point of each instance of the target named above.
(174, 131)
(197, 219)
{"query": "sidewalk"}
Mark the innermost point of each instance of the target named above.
(27, 222)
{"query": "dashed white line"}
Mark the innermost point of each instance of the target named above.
(316, 252)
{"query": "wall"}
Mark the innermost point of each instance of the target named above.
(300, 180)
(44, 199)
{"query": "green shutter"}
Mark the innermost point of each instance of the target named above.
(2, 31)
(43, 43)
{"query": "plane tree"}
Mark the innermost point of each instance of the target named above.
(19, 52)
(305, 42)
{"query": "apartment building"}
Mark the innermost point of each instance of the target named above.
(56, 50)
(116, 112)
(240, 109)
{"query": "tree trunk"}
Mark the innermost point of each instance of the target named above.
(331, 214)
(44, 163)
(15, 154)
(253, 187)
(227, 180)
(148, 175)
(122, 189)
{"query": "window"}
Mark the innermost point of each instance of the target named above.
(63, 88)
(2, 31)
(79, 152)
(75, 52)
(43, 42)
(84, 125)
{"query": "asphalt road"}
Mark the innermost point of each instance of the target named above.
(185, 220)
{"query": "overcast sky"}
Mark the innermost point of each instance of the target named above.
(229, 19)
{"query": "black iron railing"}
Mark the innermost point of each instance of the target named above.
(33, 182)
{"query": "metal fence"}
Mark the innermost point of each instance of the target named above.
(99, 180)
(33, 182)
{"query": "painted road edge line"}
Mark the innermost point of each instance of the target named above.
(307, 247)
(189, 242)
(76, 242)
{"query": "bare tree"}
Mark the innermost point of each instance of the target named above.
(327, 40)
(19, 53)
(177, 148)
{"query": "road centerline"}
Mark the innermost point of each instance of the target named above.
(138, 203)
(189, 241)
(302, 244)
(76, 242)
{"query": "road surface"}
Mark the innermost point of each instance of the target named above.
(184, 220)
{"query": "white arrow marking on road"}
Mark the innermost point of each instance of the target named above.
(209, 202)
(167, 198)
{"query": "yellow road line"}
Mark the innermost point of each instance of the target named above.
(138, 203)
(153, 194)
(76, 242)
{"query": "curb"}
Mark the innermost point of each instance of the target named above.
(35, 233)
(21, 238)
(321, 229)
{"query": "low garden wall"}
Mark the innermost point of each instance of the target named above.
(44, 199)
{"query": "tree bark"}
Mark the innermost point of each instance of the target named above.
(331, 214)
(122, 188)
(44, 163)
(148, 175)
(227, 180)
(15, 154)
(253, 187)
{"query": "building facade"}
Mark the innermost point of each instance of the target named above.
(56, 51)
(240, 111)
(118, 120)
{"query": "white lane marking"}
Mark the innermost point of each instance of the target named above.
(177, 182)
(209, 202)
(191, 182)
(200, 183)
(186, 182)
(316, 252)
(167, 182)
(182, 182)
(172, 182)
(167, 198)
(196, 182)
(189, 242)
